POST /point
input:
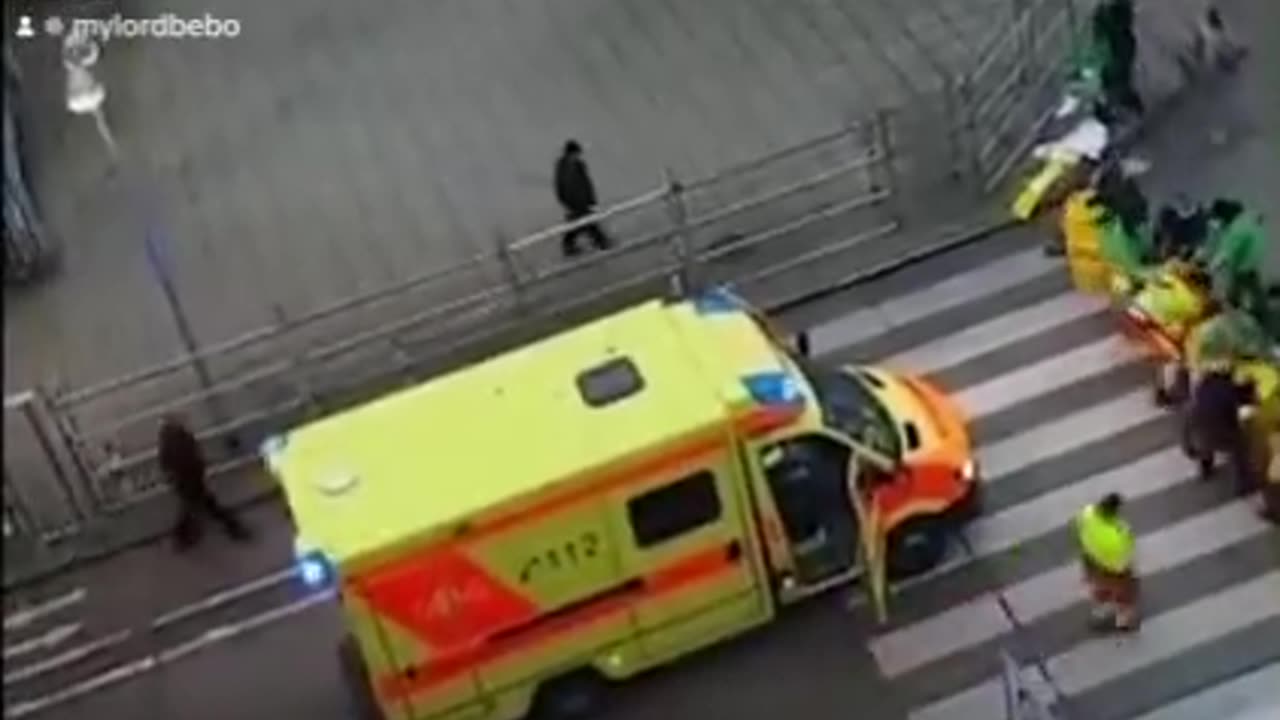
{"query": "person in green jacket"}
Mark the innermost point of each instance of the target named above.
(1126, 247)
(1235, 253)
(1230, 335)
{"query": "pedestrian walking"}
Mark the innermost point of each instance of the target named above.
(1216, 425)
(577, 196)
(1107, 556)
(184, 467)
(1216, 47)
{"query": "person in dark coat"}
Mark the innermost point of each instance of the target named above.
(183, 464)
(1113, 24)
(577, 196)
(1119, 192)
(1216, 426)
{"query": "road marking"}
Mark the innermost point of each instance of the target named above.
(26, 616)
(218, 634)
(994, 334)
(1007, 457)
(56, 636)
(63, 659)
(991, 534)
(982, 282)
(1017, 524)
(982, 619)
(225, 597)
(1255, 696)
(1059, 371)
(1101, 660)
(129, 670)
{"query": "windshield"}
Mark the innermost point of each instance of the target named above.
(847, 405)
(851, 408)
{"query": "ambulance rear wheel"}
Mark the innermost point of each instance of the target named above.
(576, 696)
(359, 692)
(915, 547)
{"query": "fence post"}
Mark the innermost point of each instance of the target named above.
(35, 410)
(510, 273)
(68, 431)
(968, 131)
(882, 128)
(683, 281)
(952, 104)
(1022, 17)
(1073, 28)
(18, 517)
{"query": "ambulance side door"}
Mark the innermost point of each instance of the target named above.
(684, 541)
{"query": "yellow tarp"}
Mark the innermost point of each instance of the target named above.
(1037, 188)
(1083, 238)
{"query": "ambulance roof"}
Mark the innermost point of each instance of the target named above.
(440, 453)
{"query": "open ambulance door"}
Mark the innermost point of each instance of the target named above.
(822, 489)
(864, 463)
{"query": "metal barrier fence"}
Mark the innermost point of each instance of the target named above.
(40, 499)
(788, 221)
(676, 237)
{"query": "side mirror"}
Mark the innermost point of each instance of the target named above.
(801, 343)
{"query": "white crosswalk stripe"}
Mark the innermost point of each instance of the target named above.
(994, 277)
(941, 651)
(1011, 327)
(1070, 367)
(1101, 660)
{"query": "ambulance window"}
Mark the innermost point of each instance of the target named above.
(675, 509)
(610, 382)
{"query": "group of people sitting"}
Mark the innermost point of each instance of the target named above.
(1196, 271)
(1219, 248)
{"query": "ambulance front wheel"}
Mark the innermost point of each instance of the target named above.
(576, 696)
(915, 547)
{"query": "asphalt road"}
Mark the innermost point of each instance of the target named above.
(1062, 414)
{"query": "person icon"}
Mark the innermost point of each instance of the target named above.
(24, 27)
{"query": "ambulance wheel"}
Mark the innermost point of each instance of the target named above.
(916, 546)
(360, 697)
(576, 696)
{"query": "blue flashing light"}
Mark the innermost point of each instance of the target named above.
(717, 300)
(313, 568)
(271, 449)
(774, 388)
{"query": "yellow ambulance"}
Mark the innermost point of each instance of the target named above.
(509, 539)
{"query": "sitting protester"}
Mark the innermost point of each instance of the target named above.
(1226, 337)
(1231, 334)
(1235, 252)
(1119, 191)
(1270, 319)
(1128, 251)
(1181, 228)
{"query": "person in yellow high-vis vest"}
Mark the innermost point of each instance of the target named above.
(1107, 554)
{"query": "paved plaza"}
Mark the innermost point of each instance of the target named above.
(334, 147)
